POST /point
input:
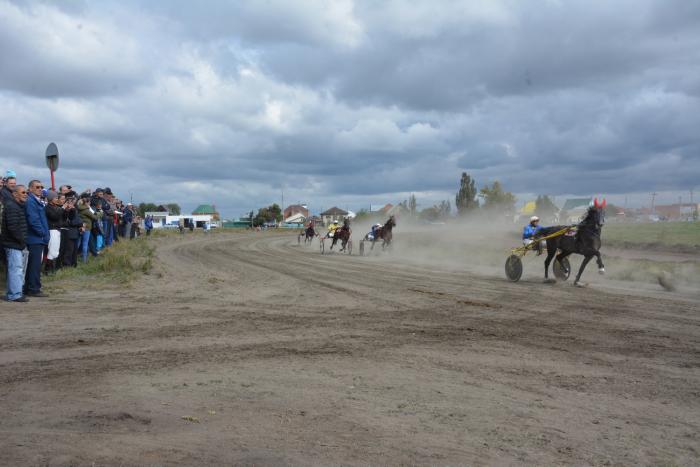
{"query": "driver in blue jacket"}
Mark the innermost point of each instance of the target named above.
(530, 232)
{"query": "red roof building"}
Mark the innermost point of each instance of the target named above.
(292, 209)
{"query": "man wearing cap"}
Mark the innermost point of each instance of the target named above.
(108, 209)
(37, 239)
(14, 241)
(88, 217)
(530, 234)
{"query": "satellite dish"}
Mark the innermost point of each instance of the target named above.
(52, 157)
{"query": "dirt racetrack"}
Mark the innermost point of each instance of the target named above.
(250, 349)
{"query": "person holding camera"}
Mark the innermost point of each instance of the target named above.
(70, 231)
(89, 217)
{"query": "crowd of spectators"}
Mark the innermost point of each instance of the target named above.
(44, 230)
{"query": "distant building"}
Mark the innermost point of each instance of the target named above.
(241, 223)
(386, 208)
(293, 209)
(298, 218)
(164, 220)
(207, 209)
(396, 211)
(574, 209)
(528, 209)
(333, 214)
(676, 212)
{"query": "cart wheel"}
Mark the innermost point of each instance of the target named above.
(322, 247)
(362, 247)
(514, 268)
(562, 269)
(349, 247)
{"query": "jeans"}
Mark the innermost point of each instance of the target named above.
(107, 225)
(15, 272)
(92, 244)
(127, 230)
(85, 240)
(32, 278)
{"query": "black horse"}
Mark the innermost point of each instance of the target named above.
(385, 233)
(309, 234)
(586, 242)
(343, 234)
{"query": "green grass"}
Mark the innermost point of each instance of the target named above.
(661, 233)
(117, 265)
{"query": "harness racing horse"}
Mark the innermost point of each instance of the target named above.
(309, 234)
(586, 242)
(384, 233)
(342, 234)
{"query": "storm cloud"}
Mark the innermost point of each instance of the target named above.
(352, 103)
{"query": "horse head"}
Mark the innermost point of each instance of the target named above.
(390, 223)
(596, 214)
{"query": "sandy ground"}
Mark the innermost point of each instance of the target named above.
(276, 355)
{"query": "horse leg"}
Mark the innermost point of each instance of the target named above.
(585, 261)
(561, 256)
(550, 255)
(601, 266)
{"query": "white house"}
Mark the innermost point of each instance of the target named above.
(297, 218)
(164, 220)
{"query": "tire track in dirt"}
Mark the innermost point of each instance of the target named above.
(428, 361)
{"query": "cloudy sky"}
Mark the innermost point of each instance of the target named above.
(353, 103)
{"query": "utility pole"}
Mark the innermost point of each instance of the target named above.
(653, 197)
(691, 196)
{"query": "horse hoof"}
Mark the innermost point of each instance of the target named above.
(580, 285)
(550, 281)
(601, 271)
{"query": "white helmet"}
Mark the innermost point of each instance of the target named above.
(534, 218)
(377, 225)
(335, 221)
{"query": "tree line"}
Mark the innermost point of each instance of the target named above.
(491, 200)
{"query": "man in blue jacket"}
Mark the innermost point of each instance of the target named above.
(530, 232)
(37, 239)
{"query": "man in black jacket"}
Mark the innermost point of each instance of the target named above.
(70, 232)
(14, 240)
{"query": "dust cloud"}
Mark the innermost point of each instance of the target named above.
(482, 246)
